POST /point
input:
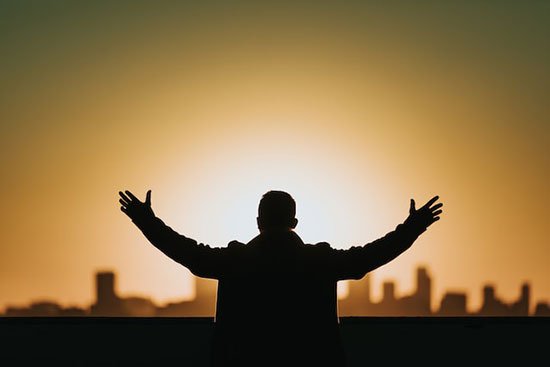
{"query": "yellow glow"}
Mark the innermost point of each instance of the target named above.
(234, 181)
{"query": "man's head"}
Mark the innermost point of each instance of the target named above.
(277, 211)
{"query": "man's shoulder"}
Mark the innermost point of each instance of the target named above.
(235, 244)
(319, 246)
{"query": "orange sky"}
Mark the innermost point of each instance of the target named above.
(352, 108)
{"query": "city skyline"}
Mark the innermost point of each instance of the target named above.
(357, 302)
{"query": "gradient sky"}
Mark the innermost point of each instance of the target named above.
(353, 107)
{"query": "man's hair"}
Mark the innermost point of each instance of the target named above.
(277, 209)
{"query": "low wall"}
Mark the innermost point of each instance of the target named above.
(87, 341)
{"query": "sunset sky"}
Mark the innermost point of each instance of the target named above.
(353, 107)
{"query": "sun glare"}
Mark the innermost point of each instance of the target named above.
(226, 189)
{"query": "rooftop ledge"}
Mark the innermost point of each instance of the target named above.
(184, 341)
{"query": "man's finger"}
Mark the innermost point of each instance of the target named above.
(132, 196)
(431, 201)
(437, 206)
(437, 212)
(124, 210)
(124, 196)
(123, 203)
(148, 198)
(412, 208)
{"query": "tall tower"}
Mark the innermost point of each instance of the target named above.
(107, 302)
(521, 306)
(388, 305)
(525, 298)
(423, 291)
(388, 291)
(491, 305)
(105, 288)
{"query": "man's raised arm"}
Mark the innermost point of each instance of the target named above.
(356, 262)
(201, 260)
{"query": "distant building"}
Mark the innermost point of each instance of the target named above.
(203, 305)
(40, 308)
(358, 302)
(521, 306)
(389, 304)
(493, 306)
(453, 304)
(44, 309)
(542, 309)
(107, 302)
(138, 306)
(419, 302)
(74, 311)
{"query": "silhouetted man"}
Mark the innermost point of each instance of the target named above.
(277, 301)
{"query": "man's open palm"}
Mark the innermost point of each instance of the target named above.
(133, 207)
(426, 215)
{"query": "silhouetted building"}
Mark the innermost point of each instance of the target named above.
(388, 305)
(203, 305)
(423, 295)
(138, 306)
(542, 309)
(419, 302)
(521, 306)
(40, 308)
(358, 302)
(107, 302)
(73, 311)
(453, 304)
(44, 309)
(493, 306)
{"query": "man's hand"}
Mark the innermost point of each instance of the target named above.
(426, 215)
(133, 207)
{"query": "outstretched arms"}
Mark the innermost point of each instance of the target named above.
(355, 262)
(201, 260)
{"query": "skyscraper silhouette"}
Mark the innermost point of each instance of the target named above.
(107, 302)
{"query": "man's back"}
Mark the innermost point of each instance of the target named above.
(277, 303)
